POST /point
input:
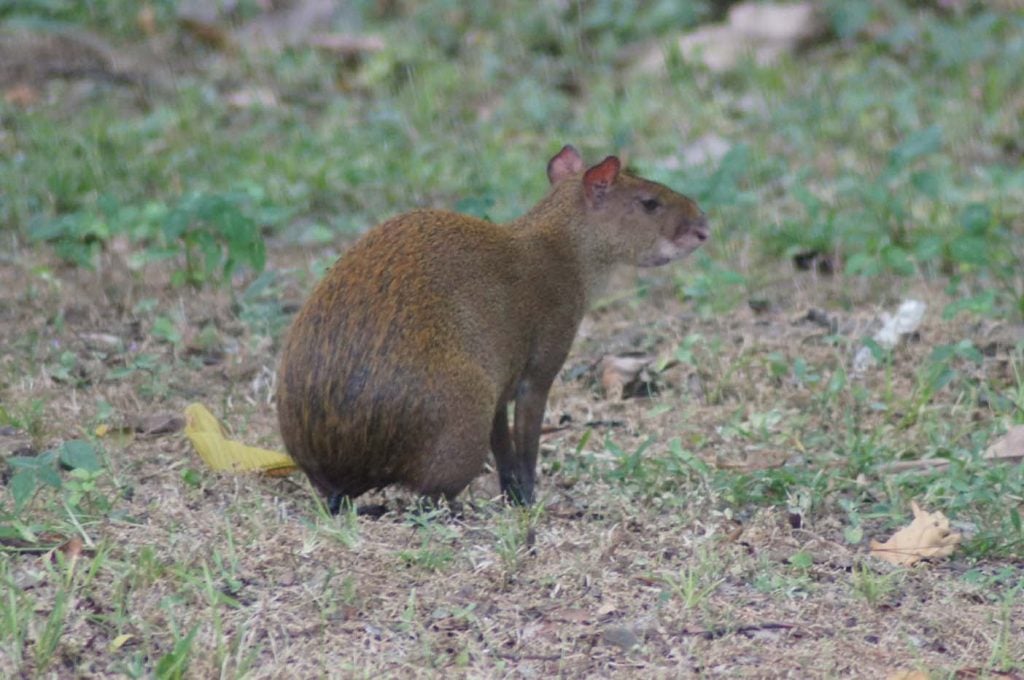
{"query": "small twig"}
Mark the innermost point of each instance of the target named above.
(917, 464)
(19, 546)
(715, 633)
(530, 657)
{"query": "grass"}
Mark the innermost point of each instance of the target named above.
(718, 526)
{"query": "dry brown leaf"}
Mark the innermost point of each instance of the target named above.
(618, 371)
(926, 537)
(71, 549)
(1009, 447)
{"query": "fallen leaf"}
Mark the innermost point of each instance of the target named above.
(617, 372)
(221, 453)
(118, 642)
(926, 537)
(102, 430)
(71, 549)
(894, 327)
(1009, 447)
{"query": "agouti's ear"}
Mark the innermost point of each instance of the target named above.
(565, 163)
(599, 179)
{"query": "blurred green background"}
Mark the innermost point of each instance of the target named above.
(887, 145)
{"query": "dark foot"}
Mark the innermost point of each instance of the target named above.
(372, 510)
(337, 501)
(518, 495)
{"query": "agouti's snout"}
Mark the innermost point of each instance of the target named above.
(700, 228)
(401, 366)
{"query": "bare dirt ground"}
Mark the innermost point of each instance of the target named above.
(634, 571)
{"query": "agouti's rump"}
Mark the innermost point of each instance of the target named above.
(400, 367)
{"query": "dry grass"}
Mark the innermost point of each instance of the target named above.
(635, 572)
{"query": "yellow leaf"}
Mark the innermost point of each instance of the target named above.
(221, 453)
(119, 641)
(102, 430)
(927, 536)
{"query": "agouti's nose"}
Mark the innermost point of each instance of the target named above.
(700, 228)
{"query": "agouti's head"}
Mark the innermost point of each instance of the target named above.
(635, 221)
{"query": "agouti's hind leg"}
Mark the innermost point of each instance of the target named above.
(457, 452)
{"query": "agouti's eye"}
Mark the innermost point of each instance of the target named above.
(650, 204)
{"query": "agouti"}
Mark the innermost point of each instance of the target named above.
(400, 367)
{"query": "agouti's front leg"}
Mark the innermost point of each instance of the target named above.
(531, 398)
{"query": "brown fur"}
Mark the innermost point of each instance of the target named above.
(400, 367)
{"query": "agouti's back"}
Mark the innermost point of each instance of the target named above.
(400, 366)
